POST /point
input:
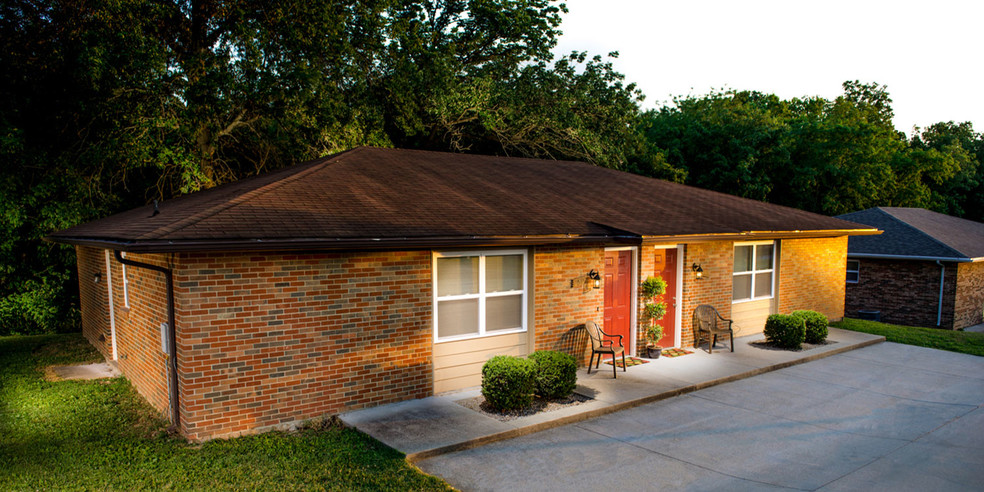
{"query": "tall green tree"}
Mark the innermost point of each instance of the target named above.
(107, 104)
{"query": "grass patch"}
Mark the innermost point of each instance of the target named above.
(100, 435)
(954, 341)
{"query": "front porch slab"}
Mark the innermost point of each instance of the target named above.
(437, 425)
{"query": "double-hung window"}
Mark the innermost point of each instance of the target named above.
(853, 271)
(754, 268)
(479, 294)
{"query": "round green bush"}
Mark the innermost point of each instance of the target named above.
(556, 374)
(785, 331)
(816, 325)
(508, 382)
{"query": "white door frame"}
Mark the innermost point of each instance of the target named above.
(678, 310)
(634, 294)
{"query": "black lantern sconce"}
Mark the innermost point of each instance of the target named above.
(96, 277)
(594, 276)
(698, 271)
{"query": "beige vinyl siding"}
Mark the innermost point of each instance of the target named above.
(749, 317)
(458, 364)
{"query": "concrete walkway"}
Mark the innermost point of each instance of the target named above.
(885, 417)
(96, 370)
(432, 426)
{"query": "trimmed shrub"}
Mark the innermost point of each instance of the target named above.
(816, 325)
(785, 331)
(508, 382)
(556, 373)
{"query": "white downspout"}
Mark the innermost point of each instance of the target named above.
(112, 315)
(939, 308)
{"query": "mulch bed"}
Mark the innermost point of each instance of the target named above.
(479, 405)
(764, 345)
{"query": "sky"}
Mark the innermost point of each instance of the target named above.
(929, 53)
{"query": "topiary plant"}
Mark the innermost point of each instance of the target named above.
(816, 325)
(556, 373)
(785, 331)
(654, 309)
(508, 382)
(653, 286)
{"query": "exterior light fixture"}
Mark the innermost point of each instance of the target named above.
(96, 277)
(698, 271)
(593, 275)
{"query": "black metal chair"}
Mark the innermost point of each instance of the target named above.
(708, 324)
(602, 346)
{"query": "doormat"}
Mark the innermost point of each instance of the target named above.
(675, 352)
(629, 361)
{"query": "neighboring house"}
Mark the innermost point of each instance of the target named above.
(927, 269)
(377, 275)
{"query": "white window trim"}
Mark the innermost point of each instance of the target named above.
(481, 295)
(752, 272)
(126, 285)
(857, 271)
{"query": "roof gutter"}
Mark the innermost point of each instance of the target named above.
(875, 256)
(169, 246)
(748, 235)
(172, 356)
(389, 243)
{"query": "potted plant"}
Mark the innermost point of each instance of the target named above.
(654, 309)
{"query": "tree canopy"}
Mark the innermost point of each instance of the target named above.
(825, 156)
(108, 104)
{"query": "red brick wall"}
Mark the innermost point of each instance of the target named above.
(266, 340)
(717, 259)
(906, 292)
(969, 300)
(138, 336)
(138, 341)
(559, 309)
(94, 299)
(812, 275)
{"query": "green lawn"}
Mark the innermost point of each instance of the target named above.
(99, 435)
(954, 341)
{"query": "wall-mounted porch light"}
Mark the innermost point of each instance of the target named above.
(698, 271)
(592, 278)
(593, 275)
(96, 277)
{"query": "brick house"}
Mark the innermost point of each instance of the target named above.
(926, 269)
(377, 275)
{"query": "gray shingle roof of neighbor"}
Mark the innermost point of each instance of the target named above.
(372, 197)
(917, 232)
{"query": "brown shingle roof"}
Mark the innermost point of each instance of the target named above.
(369, 196)
(917, 232)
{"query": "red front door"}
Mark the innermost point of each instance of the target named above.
(666, 267)
(618, 295)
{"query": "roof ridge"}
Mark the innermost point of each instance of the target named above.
(314, 166)
(920, 231)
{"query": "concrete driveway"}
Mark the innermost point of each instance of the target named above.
(885, 417)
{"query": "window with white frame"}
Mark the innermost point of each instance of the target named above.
(126, 285)
(754, 267)
(853, 271)
(479, 294)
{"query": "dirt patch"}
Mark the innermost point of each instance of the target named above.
(764, 345)
(540, 405)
